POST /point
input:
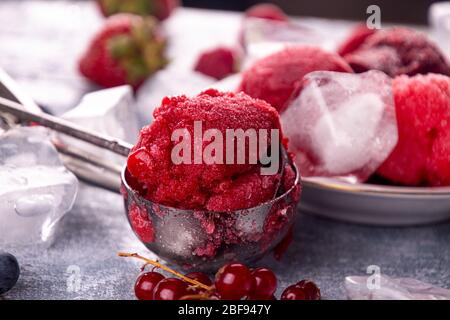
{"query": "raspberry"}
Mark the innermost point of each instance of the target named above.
(422, 155)
(217, 63)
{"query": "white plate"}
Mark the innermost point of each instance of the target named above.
(375, 204)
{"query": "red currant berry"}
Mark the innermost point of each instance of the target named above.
(233, 281)
(264, 284)
(201, 277)
(293, 293)
(145, 284)
(310, 288)
(170, 289)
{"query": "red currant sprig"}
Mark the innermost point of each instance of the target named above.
(234, 281)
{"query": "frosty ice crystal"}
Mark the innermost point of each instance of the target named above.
(362, 288)
(342, 125)
(36, 190)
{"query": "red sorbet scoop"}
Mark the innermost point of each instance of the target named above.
(275, 78)
(215, 187)
(422, 155)
(398, 51)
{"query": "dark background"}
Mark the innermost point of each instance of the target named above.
(407, 11)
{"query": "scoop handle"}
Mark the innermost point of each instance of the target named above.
(100, 140)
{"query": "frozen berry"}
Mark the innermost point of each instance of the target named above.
(398, 51)
(276, 77)
(170, 289)
(267, 11)
(293, 292)
(422, 154)
(145, 284)
(233, 281)
(264, 284)
(9, 272)
(217, 63)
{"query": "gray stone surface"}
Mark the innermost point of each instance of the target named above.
(83, 264)
(323, 250)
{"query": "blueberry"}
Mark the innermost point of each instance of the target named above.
(9, 271)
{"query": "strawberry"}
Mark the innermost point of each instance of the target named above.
(161, 9)
(127, 50)
(217, 63)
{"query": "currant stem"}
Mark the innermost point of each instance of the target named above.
(195, 297)
(163, 267)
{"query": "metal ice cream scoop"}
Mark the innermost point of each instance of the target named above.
(205, 240)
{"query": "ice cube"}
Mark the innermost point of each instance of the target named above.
(168, 82)
(387, 288)
(439, 19)
(261, 37)
(342, 125)
(36, 190)
(110, 111)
